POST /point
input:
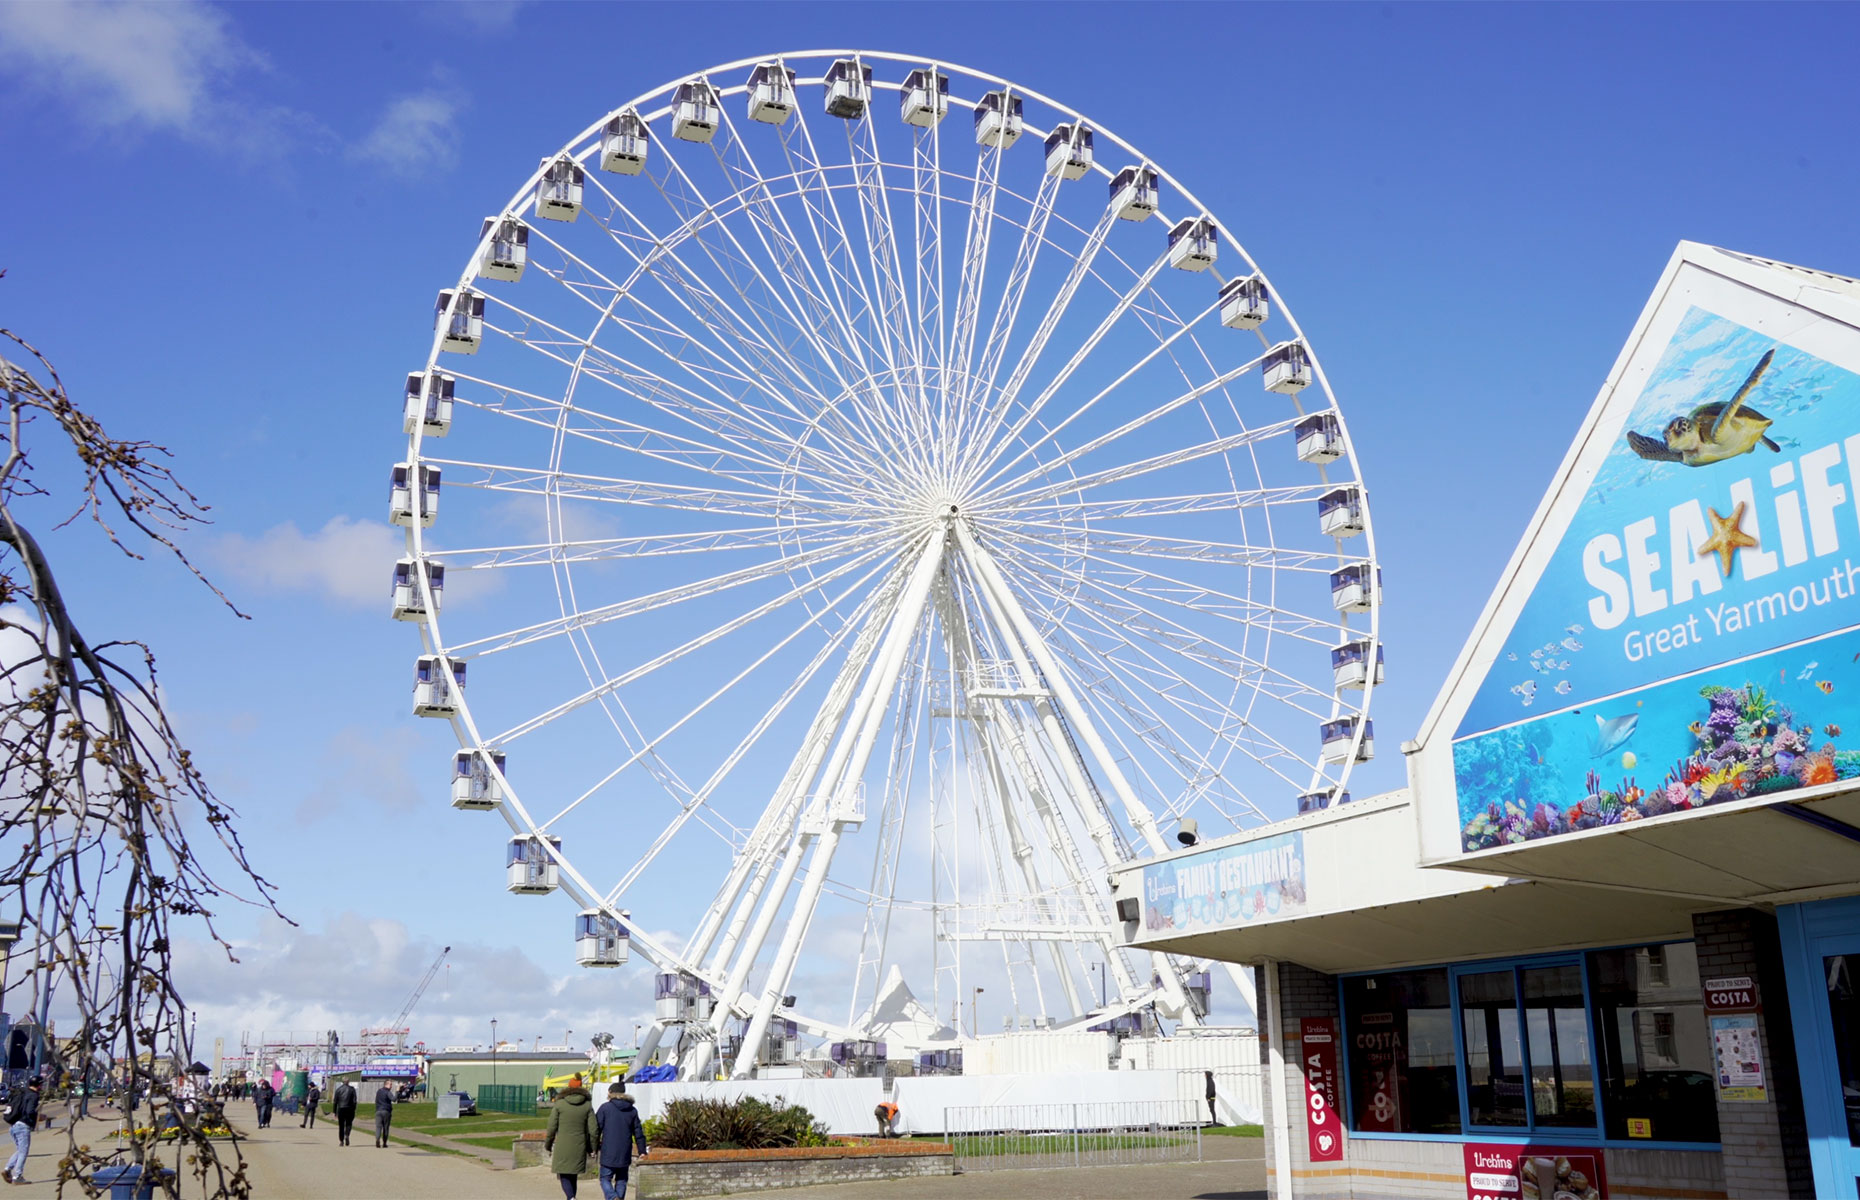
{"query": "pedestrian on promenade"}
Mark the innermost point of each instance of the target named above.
(314, 1098)
(620, 1130)
(22, 1117)
(342, 1103)
(262, 1096)
(572, 1135)
(1212, 1119)
(384, 1114)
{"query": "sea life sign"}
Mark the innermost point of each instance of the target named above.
(1694, 636)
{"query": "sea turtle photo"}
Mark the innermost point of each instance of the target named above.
(1712, 432)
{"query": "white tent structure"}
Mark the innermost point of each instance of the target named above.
(900, 1020)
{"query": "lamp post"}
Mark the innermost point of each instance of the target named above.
(636, 1038)
(1102, 988)
(493, 1051)
(973, 1002)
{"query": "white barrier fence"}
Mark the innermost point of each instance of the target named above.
(1026, 1136)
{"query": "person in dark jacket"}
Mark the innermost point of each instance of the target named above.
(311, 1100)
(384, 1114)
(262, 1097)
(620, 1130)
(1212, 1118)
(22, 1117)
(572, 1135)
(342, 1103)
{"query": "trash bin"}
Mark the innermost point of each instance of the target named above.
(126, 1181)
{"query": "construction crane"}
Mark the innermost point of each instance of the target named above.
(398, 1027)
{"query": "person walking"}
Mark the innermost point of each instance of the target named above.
(1212, 1118)
(384, 1114)
(313, 1098)
(620, 1130)
(22, 1117)
(572, 1135)
(342, 1103)
(262, 1096)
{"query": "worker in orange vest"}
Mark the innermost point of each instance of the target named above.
(887, 1114)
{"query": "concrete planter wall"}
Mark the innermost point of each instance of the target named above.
(676, 1174)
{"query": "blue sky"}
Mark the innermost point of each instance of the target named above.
(227, 224)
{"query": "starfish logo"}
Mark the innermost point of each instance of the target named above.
(1727, 537)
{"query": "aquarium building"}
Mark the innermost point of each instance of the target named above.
(1605, 943)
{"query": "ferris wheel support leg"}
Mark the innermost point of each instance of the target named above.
(844, 771)
(1135, 810)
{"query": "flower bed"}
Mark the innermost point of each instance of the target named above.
(675, 1174)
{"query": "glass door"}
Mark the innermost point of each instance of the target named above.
(1837, 1001)
(1525, 1033)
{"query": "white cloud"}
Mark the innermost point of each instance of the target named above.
(367, 766)
(347, 560)
(474, 16)
(158, 65)
(414, 133)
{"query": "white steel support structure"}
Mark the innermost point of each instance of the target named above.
(834, 458)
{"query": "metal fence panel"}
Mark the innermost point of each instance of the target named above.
(519, 1098)
(1021, 1136)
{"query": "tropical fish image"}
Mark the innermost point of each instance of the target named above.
(1629, 762)
(1532, 753)
(1826, 686)
(1537, 653)
(1571, 644)
(1573, 630)
(1711, 432)
(1562, 687)
(1610, 732)
(1831, 730)
(1512, 655)
(1808, 670)
(1696, 729)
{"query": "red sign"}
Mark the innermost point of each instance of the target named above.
(1512, 1172)
(1322, 1121)
(1737, 993)
(1379, 1046)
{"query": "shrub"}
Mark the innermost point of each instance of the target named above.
(747, 1124)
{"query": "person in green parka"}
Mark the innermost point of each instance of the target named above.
(572, 1135)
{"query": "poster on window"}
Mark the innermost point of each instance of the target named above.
(1263, 879)
(1378, 1044)
(1495, 1171)
(1318, 1036)
(1739, 1050)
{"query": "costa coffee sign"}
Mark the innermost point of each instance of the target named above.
(1319, 1043)
(1735, 993)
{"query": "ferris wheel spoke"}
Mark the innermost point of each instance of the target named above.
(1043, 534)
(581, 621)
(828, 651)
(1006, 399)
(974, 274)
(882, 245)
(1146, 466)
(1001, 328)
(1151, 507)
(927, 228)
(697, 798)
(654, 601)
(660, 545)
(607, 489)
(1149, 417)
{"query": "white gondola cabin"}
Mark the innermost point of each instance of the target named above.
(1244, 304)
(849, 88)
(624, 145)
(558, 192)
(923, 101)
(771, 93)
(1133, 193)
(1319, 438)
(461, 316)
(508, 251)
(428, 403)
(1316, 801)
(1198, 986)
(1351, 664)
(695, 112)
(1355, 588)
(680, 997)
(1340, 512)
(997, 119)
(413, 492)
(1194, 244)
(477, 779)
(1339, 735)
(1287, 369)
(409, 599)
(600, 939)
(529, 867)
(437, 683)
(1068, 151)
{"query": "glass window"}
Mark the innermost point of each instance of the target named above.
(1844, 1012)
(1562, 1079)
(1653, 1048)
(1494, 1058)
(1399, 1029)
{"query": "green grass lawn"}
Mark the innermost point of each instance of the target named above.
(1234, 1131)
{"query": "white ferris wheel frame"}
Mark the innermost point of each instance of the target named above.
(862, 709)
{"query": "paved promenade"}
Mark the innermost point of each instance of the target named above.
(289, 1163)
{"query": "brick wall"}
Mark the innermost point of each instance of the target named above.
(1765, 1144)
(672, 1181)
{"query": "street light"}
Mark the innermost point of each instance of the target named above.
(972, 1008)
(1099, 967)
(493, 1051)
(636, 1039)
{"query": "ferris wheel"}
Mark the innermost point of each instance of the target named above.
(877, 497)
